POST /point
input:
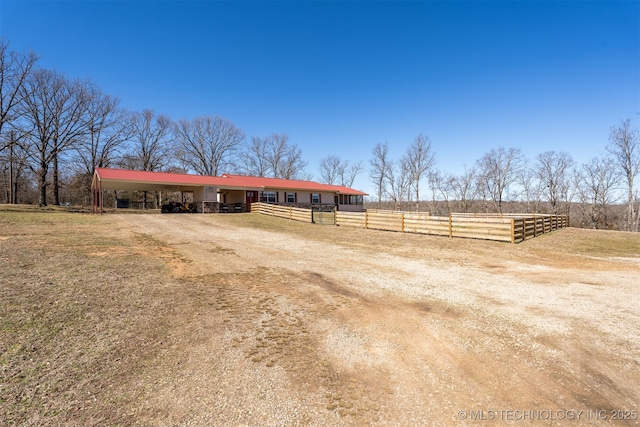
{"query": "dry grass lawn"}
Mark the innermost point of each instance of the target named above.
(242, 319)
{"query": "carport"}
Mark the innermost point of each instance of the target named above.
(204, 188)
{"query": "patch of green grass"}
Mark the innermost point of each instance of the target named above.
(33, 215)
(612, 244)
(579, 241)
(263, 222)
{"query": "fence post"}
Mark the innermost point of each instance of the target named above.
(450, 226)
(366, 219)
(535, 225)
(402, 224)
(513, 230)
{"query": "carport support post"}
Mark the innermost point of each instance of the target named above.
(97, 199)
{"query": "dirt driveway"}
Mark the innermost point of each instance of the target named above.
(322, 325)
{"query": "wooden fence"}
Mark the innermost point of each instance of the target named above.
(512, 228)
(287, 212)
(532, 226)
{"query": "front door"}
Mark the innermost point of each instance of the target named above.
(252, 196)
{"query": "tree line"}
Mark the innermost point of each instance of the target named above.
(55, 130)
(48, 120)
(552, 182)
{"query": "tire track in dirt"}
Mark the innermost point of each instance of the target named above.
(273, 330)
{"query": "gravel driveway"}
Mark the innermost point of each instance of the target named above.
(323, 325)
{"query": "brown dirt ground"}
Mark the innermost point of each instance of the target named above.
(263, 321)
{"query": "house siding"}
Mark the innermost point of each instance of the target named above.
(205, 194)
(351, 208)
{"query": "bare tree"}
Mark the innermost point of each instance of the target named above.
(13, 166)
(435, 179)
(54, 107)
(206, 143)
(481, 189)
(331, 169)
(446, 188)
(499, 168)
(108, 129)
(254, 161)
(380, 168)
(420, 158)
(595, 186)
(531, 187)
(273, 156)
(350, 173)
(151, 136)
(463, 188)
(553, 169)
(276, 152)
(294, 166)
(334, 170)
(625, 149)
(14, 69)
(285, 159)
(399, 183)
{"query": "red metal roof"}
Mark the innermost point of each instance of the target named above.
(115, 177)
(277, 183)
(154, 177)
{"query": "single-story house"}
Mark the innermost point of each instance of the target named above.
(227, 192)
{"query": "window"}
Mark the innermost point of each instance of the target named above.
(269, 196)
(351, 200)
(291, 197)
(315, 198)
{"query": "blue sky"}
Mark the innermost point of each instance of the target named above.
(340, 77)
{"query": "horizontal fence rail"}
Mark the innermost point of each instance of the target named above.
(288, 212)
(512, 228)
